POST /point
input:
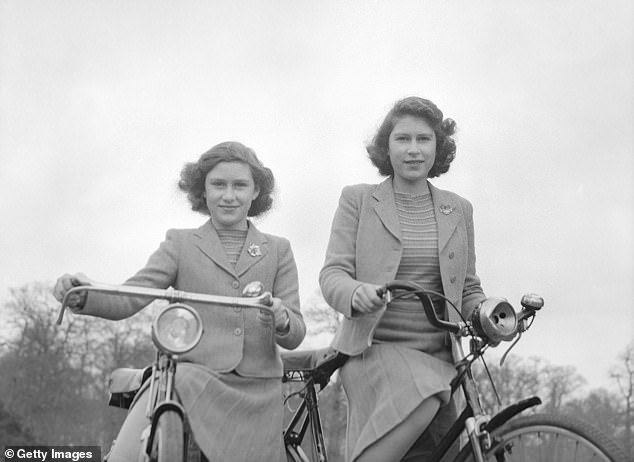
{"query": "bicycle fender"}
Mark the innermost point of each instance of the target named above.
(161, 408)
(511, 411)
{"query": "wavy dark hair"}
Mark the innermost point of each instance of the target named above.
(417, 107)
(193, 176)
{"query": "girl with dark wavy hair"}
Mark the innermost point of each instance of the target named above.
(230, 383)
(397, 380)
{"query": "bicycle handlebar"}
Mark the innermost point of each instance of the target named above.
(530, 303)
(428, 306)
(254, 298)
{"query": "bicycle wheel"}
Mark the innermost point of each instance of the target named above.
(168, 444)
(548, 438)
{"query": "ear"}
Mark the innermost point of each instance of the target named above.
(256, 192)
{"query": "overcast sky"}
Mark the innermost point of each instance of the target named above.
(101, 103)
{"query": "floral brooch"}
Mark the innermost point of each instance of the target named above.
(254, 250)
(446, 209)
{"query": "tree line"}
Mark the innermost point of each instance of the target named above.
(54, 378)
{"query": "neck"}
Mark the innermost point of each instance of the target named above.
(242, 226)
(410, 187)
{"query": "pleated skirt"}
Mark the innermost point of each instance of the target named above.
(232, 418)
(384, 385)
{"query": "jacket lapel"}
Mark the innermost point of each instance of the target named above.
(448, 215)
(385, 207)
(209, 243)
(255, 249)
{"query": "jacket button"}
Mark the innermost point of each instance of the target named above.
(452, 279)
(451, 256)
(235, 284)
(237, 331)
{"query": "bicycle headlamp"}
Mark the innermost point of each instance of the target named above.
(494, 320)
(177, 329)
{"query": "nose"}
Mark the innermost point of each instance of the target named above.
(228, 195)
(413, 148)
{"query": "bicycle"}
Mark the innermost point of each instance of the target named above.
(503, 437)
(176, 329)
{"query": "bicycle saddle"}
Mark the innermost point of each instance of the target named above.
(320, 364)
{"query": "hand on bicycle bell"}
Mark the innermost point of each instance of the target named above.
(366, 300)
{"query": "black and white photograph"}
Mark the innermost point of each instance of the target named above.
(301, 231)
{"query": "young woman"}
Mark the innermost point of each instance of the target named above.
(231, 387)
(397, 379)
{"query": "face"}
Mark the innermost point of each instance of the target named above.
(229, 191)
(412, 150)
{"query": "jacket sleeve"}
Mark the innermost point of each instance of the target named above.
(472, 293)
(286, 287)
(337, 277)
(159, 272)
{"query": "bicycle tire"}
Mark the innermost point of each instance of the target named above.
(548, 437)
(168, 444)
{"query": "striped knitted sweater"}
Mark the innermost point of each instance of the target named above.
(404, 321)
(232, 240)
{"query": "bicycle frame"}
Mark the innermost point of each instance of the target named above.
(307, 413)
(311, 368)
(473, 419)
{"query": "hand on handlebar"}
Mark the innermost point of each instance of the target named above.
(282, 317)
(66, 282)
(365, 299)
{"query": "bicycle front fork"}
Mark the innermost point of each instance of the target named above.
(478, 437)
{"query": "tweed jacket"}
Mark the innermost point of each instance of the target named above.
(234, 338)
(365, 247)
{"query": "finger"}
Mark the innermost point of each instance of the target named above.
(374, 295)
(264, 315)
(363, 306)
(56, 291)
(74, 300)
(371, 305)
(369, 297)
(59, 290)
(356, 302)
(67, 282)
(80, 279)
